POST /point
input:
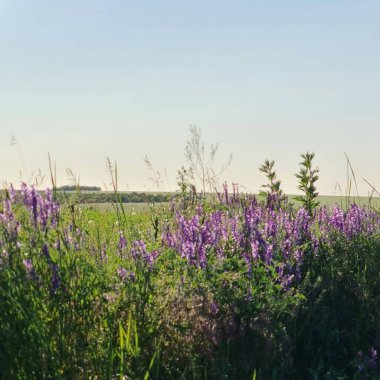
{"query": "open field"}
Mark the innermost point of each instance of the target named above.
(325, 200)
(345, 201)
(129, 207)
(144, 201)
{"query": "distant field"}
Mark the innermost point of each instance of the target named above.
(144, 201)
(130, 208)
(342, 201)
(325, 200)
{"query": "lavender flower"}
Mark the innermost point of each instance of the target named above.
(214, 308)
(140, 253)
(42, 210)
(122, 245)
(12, 194)
(122, 273)
(132, 276)
(29, 268)
(125, 275)
(55, 280)
(257, 232)
(46, 253)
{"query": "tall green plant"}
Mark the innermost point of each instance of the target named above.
(273, 193)
(307, 176)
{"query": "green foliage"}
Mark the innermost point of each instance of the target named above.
(273, 186)
(339, 317)
(307, 176)
(221, 323)
(273, 193)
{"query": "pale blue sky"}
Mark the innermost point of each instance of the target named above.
(265, 79)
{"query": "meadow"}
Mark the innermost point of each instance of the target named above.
(232, 286)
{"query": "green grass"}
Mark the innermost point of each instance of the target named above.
(130, 208)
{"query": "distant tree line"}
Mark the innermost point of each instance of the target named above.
(92, 196)
(133, 197)
(80, 188)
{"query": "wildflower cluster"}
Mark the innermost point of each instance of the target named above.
(260, 233)
(226, 286)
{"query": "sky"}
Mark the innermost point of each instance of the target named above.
(85, 80)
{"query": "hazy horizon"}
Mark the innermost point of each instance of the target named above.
(266, 80)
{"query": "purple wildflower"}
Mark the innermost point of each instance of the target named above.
(29, 268)
(255, 249)
(337, 219)
(125, 275)
(41, 209)
(12, 194)
(139, 252)
(214, 308)
(139, 249)
(46, 253)
(122, 245)
(122, 273)
(132, 276)
(55, 280)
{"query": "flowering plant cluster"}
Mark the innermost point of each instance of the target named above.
(257, 233)
(229, 286)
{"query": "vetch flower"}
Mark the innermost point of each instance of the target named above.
(55, 280)
(29, 268)
(122, 273)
